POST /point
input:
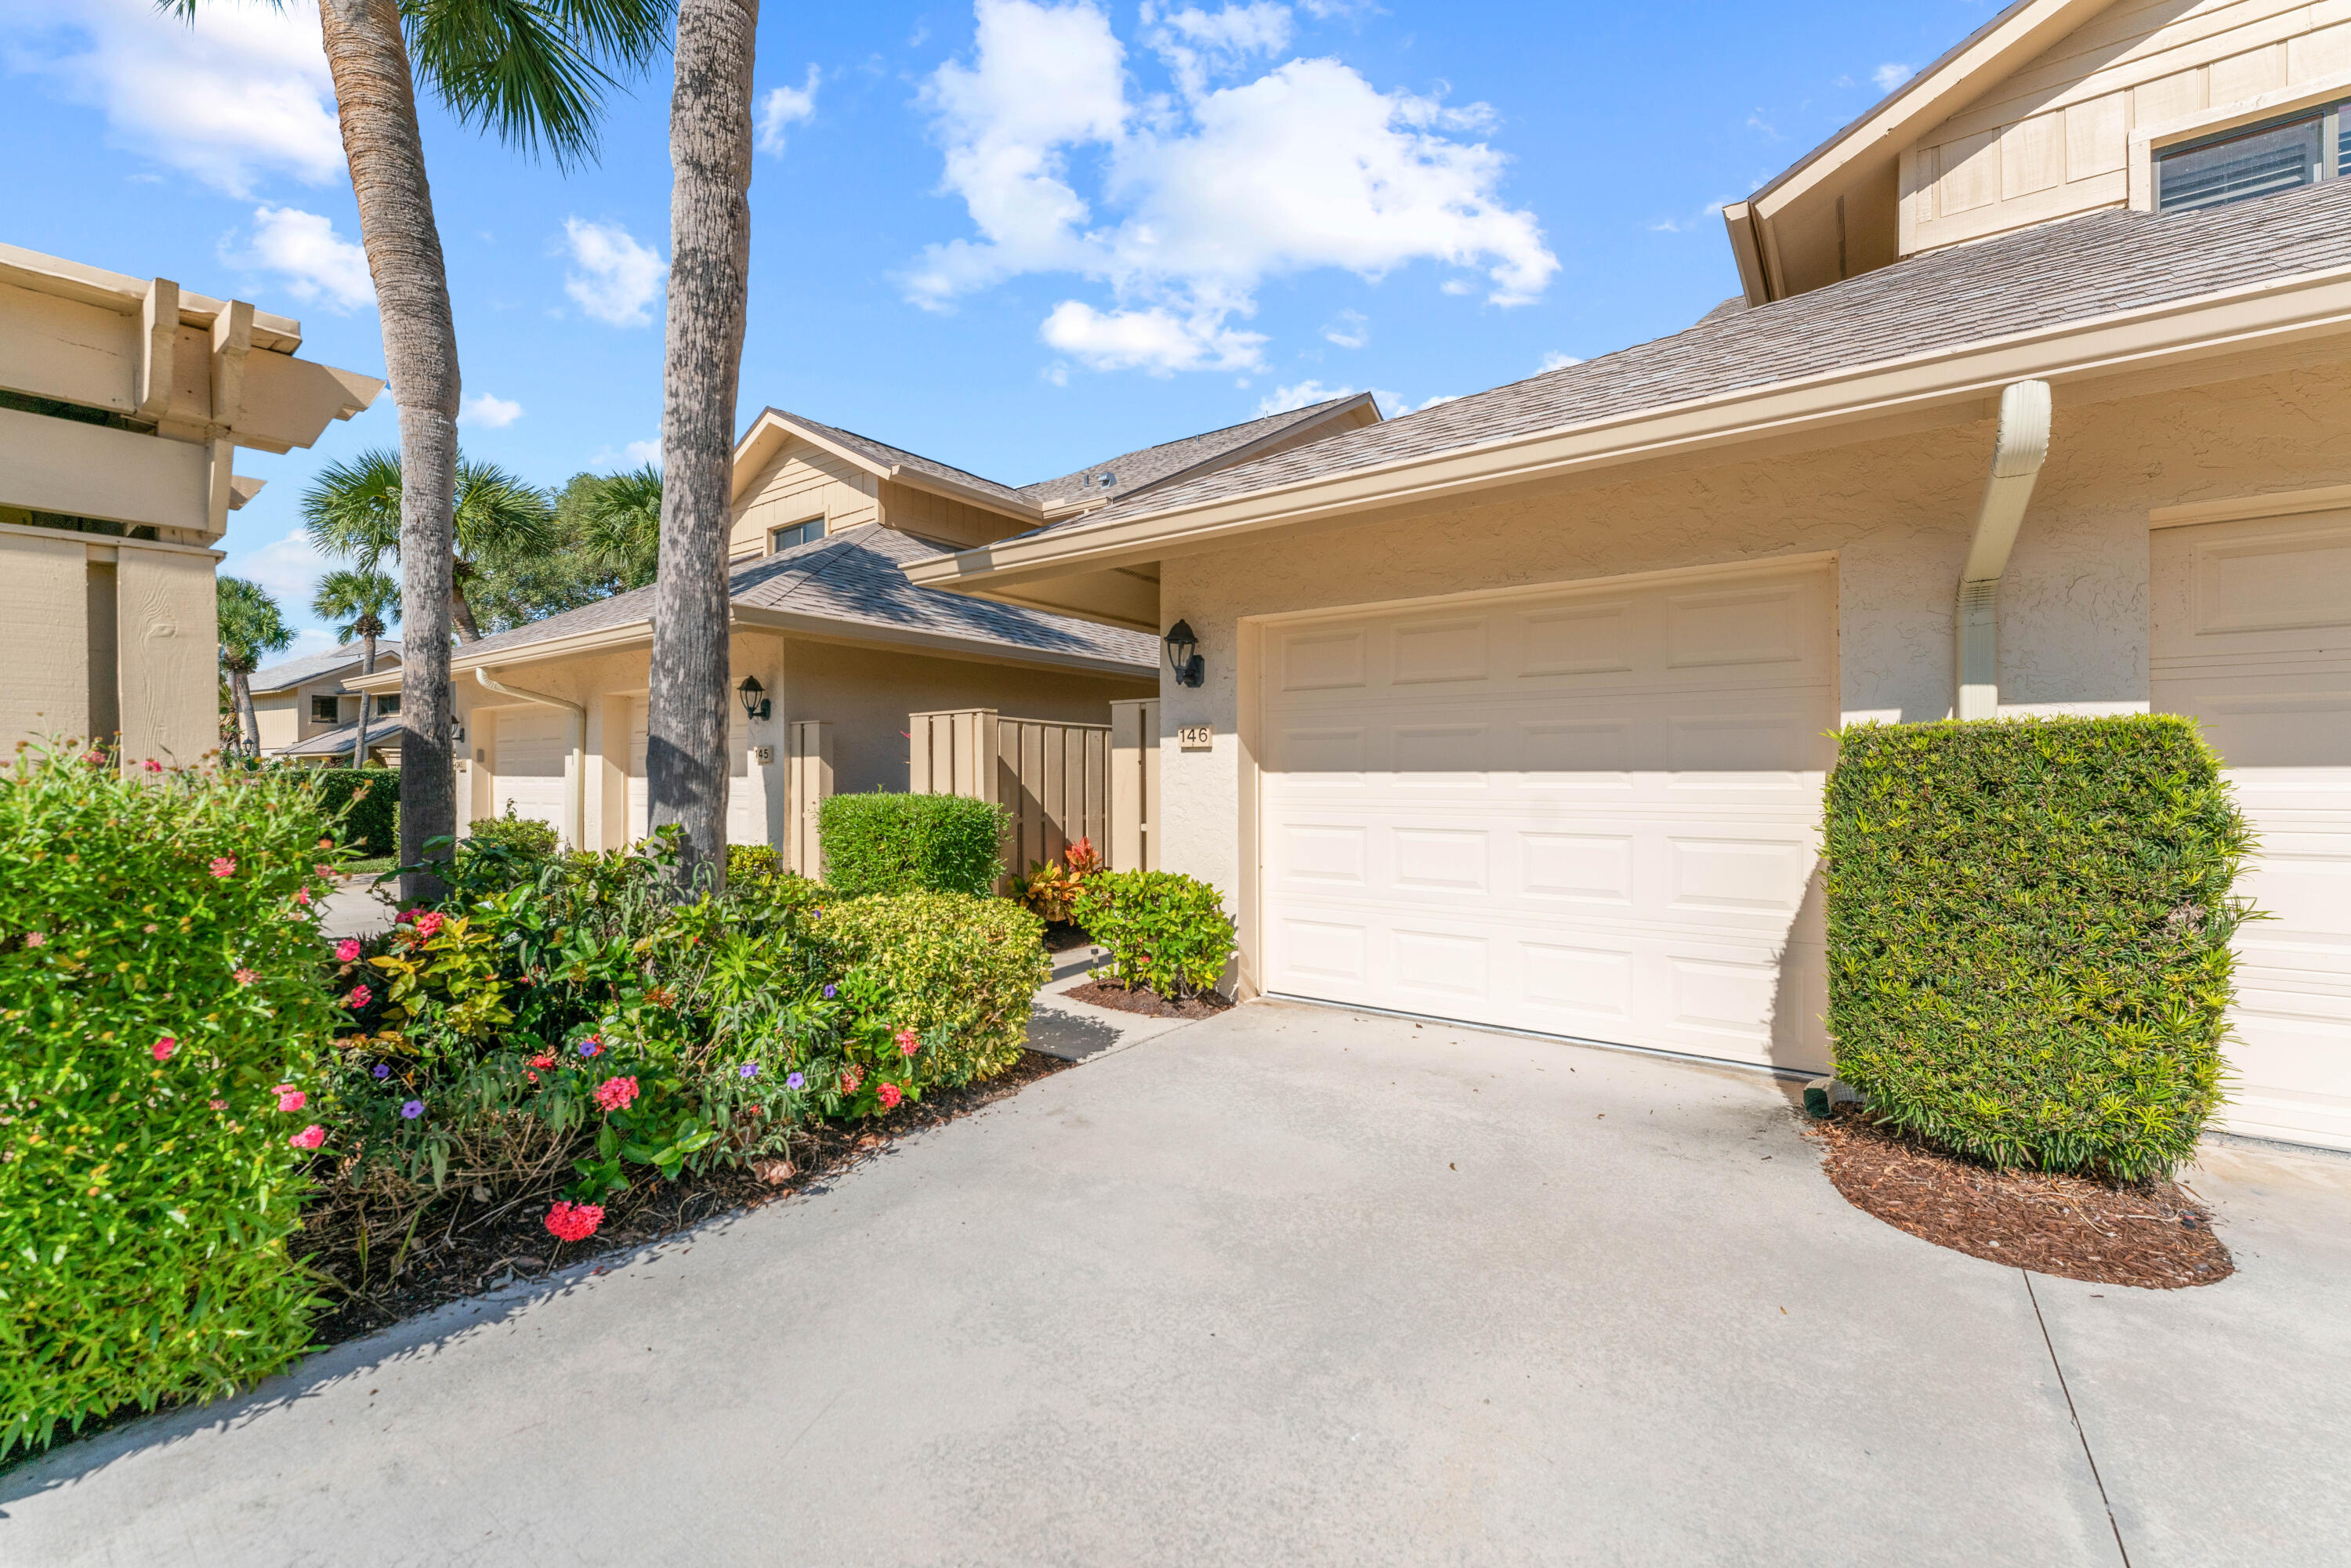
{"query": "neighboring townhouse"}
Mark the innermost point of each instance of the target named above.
(839, 647)
(1515, 711)
(123, 401)
(305, 712)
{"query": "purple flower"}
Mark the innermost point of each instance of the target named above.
(828, 993)
(382, 1070)
(589, 1047)
(412, 1110)
(751, 1070)
(795, 1081)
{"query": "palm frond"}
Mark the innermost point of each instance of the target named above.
(498, 515)
(363, 601)
(351, 510)
(250, 624)
(531, 70)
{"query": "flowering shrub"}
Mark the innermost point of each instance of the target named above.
(1164, 930)
(956, 972)
(161, 1017)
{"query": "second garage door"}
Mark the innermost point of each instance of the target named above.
(1590, 812)
(533, 753)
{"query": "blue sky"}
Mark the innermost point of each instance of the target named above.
(1015, 236)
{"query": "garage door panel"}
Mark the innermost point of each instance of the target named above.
(1453, 649)
(1740, 628)
(532, 760)
(1320, 661)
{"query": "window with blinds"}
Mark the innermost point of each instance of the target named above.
(2250, 160)
(796, 534)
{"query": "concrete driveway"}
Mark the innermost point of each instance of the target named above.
(1294, 1286)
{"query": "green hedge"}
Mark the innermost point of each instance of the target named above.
(1164, 930)
(158, 981)
(525, 836)
(881, 844)
(958, 970)
(367, 800)
(2028, 935)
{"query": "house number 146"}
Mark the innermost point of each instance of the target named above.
(1195, 737)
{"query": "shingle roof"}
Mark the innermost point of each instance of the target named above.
(888, 456)
(2070, 270)
(317, 666)
(383, 731)
(1133, 471)
(853, 577)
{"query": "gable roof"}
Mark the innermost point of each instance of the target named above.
(1140, 470)
(2046, 280)
(850, 581)
(894, 464)
(319, 666)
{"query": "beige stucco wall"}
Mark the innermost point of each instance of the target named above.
(1895, 514)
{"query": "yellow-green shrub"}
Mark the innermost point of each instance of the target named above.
(2028, 935)
(158, 980)
(952, 968)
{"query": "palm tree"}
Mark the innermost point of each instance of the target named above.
(250, 626)
(710, 264)
(621, 525)
(529, 71)
(353, 511)
(361, 600)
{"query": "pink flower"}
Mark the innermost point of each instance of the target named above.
(162, 1049)
(153, 765)
(245, 976)
(218, 1104)
(615, 1093)
(347, 951)
(290, 1100)
(403, 917)
(223, 867)
(310, 1138)
(574, 1221)
(428, 925)
(890, 1095)
(301, 895)
(34, 939)
(361, 996)
(909, 1042)
(324, 872)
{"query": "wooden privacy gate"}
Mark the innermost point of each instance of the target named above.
(1052, 779)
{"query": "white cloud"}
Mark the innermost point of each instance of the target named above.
(1305, 167)
(1555, 360)
(635, 455)
(1281, 400)
(618, 278)
(1324, 10)
(1440, 397)
(242, 92)
(303, 249)
(786, 106)
(288, 567)
(1890, 76)
(489, 412)
(1353, 329)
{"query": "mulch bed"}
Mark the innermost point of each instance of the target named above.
(1062, 936)
(471, 1248)
(2158, 1235)
(1143, 999)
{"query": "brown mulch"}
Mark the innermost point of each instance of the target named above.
(1062, 936)
(2154, 1234)
(1143, 999)
(472, 1246)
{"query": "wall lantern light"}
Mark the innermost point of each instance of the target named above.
(1183, 655)
(755, 697)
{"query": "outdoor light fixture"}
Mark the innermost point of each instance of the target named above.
(1184, 655)
(755, 697)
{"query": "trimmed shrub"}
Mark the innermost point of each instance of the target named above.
(2028, 935)
(525, 837)
(881, 844)
(959, 971)
(753, 863)
(1164, 930)
(366, 800)
(159, 981)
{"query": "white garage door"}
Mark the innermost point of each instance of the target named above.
(1590, 812)
(534, 747)
(2251, 636)
(747, 802)
(637, 769)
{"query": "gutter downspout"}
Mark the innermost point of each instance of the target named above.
(2016, 456)
(579, 813)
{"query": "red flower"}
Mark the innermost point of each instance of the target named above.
(291, 1100)
(850, 1077)
(164, 1048)
(544, 1058)
(245, 976)
(574, 1221)
(347, 951)
(890, 1095)
(361, 996)
(223, 867)
(614, 1093)
(310, 1138)
(429, 924)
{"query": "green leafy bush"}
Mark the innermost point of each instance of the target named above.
(1164, 930)
(366, 800)
(881, 842)
(754, 862)
(525, 837)
(2028, 935)
(159, 984)
(958, 971)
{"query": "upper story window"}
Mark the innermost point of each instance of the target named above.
(2298, 149)
(386, 706)
(795, 534)
(326, 710)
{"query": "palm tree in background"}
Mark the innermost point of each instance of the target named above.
(534, 71)
(250, 627)
(710, 265)
(360, 599)
(353, 511)
(621, 525)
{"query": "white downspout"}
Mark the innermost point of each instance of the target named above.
(577, 827)
(2022, 448)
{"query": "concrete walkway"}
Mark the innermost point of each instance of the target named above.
(1291, 1286)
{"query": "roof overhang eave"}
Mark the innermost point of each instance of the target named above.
(2271, 313)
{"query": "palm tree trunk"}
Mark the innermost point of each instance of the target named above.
(710, 264)
(461, 609)
(375, 98)
(367, 667)
(241, 691)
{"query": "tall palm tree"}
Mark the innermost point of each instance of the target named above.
(250, 626)
(533, 71)
(353, 511)
(621, 527)
(710, 264)
(361, 600)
